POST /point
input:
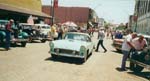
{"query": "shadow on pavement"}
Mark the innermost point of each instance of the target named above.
(118, 52)
(2, 49)
(145, 75)
(36, 41)
(65, 60)
(120, 70)
(70, 60)
(12, 45)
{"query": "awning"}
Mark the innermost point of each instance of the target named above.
(23, 10)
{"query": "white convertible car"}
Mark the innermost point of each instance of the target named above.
(74, 44)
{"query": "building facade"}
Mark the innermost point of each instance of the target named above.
(142, 11)
(101, 22)
(20, 10)
(79, 15)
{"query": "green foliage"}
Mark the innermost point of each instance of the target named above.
(121, 28)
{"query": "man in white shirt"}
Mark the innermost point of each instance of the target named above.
(139, 43)
(126, 47)
(101, 36)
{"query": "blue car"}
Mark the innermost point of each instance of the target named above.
(22, 37)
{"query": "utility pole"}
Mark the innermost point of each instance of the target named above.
(52, 10)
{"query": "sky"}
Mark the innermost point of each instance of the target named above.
(113, 11)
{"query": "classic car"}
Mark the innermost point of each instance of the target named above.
(117, 44)
(140, 59)
(74, 44)
(44, 30)
(22, 37)
(34, 32)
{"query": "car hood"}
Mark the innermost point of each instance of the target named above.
(69, 44)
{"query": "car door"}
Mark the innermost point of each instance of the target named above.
(90, 44)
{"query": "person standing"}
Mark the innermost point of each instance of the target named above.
(139, 43)
(60, 32)
(101, 36)
(8, 33)
(93, 29)
(126, 47)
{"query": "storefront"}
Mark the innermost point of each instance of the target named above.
(21, 10)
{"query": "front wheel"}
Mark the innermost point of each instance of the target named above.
(54, 56)
(43, 41)
(136, 68)
(133, 66)
(23, 44)
(84, 59)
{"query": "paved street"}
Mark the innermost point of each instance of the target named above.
(34, 63)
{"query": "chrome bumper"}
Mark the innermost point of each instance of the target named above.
(66, 55)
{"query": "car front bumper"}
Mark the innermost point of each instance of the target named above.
(19, 40)
(67, 55)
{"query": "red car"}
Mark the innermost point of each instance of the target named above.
(117, 44)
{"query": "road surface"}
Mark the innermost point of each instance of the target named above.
(34, 63)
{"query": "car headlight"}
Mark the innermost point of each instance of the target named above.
(57, 50)
(51, 46)
(82, 50)
(74, 52)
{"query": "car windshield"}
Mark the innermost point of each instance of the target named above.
(80, 37)
(45, 27)
(26, 26)
(148, 40)
(3, 24)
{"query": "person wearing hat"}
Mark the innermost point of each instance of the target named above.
(8, 33)
(101, 36)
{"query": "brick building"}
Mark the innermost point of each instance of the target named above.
(79, 15)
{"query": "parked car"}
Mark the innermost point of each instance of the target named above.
(35, 32)
(74, 44)
(22, 37)
(117, 44)
(140, 59)
(44, 30)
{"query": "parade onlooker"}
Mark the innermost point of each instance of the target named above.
(65, 30)
(119, 35)
(54, 33)
(101, 36)
(15, 29)
(8, 33)
(139, 43)
(126, 47)
(107, 33)
(93, 29)
(60, 32)
(90, 31)
(38, 31)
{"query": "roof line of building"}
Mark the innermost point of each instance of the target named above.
(23, 10)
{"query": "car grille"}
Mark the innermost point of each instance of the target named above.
(66, 51)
